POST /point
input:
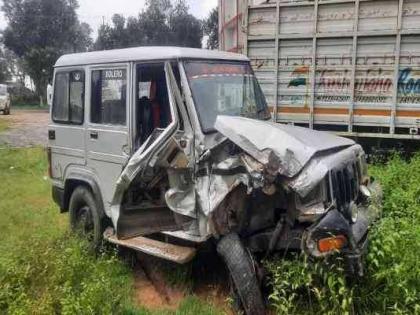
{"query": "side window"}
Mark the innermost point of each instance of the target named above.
(68, 103)
(109, 95)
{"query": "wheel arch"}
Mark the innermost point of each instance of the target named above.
(75, 180)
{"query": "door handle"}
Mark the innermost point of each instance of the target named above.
(94, 135)
(51, 134)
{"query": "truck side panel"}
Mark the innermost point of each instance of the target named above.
(349, 66)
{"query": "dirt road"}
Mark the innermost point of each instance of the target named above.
(26, 128)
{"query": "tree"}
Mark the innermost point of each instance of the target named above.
(5, 66)
(185, 29)
(160, 23)
(211, 29)
(39, 31)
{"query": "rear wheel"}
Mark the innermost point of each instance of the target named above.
(85, 216)
(245, 285)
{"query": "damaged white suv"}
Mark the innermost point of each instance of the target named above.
(161, 149)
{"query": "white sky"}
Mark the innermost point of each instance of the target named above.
(94, 11)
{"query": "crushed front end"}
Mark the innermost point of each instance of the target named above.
(309, 191)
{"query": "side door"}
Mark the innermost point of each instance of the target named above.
(66, 132)
(107, 133)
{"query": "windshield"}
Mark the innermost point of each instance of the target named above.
(225, 88)
(3, 89)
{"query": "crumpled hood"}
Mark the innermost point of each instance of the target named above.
(282, 149)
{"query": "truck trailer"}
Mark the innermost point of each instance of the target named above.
(347, 66)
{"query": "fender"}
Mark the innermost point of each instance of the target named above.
(82, 177)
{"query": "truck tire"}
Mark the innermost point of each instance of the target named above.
(242, 272)
(85, 217)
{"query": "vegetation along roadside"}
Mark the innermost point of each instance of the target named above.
(44, 270)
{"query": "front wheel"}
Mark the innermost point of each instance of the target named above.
(85, 216)
(243, 274)
(6, 111)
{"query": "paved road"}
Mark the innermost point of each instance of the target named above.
(26, 128)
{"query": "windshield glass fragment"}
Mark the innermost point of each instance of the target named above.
(229, 89)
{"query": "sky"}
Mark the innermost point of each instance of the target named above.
(94, 12)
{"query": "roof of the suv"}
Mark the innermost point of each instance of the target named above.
(142, 54)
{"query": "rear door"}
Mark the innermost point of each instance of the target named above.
(67, 128)
(107, 134)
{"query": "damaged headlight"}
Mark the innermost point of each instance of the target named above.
(313, 204)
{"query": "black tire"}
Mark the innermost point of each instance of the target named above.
(86, 217)
(242, 272)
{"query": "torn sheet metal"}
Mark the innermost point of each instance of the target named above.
(181, 197)
(263, 152)
(319, 166)
(280, 148)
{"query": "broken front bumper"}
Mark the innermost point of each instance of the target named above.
(334, 224)
(333, 227)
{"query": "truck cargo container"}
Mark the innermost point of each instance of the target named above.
(348, 66)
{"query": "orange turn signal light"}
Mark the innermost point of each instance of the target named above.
(332, 243)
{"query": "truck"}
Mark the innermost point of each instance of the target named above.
(347, 66)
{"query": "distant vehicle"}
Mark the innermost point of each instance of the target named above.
(4, 100)
(349, 67)
(155, 147)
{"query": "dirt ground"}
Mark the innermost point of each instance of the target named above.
(155, 291)
(26, 128)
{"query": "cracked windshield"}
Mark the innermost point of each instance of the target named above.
(225, 89)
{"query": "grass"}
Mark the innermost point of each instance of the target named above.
(46, 270)
(29, 106)
(392, 281)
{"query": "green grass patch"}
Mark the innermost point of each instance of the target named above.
(29, 106)
(392, 281)
(43, 269)
(46, 270)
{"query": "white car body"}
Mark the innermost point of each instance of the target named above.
(4, 99)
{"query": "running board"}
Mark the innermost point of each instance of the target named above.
(175, 253)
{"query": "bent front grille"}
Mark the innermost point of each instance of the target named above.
(344, 183)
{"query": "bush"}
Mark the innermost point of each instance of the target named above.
(392, 281)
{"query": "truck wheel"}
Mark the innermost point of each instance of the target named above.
(85, 217)
(243, 275)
